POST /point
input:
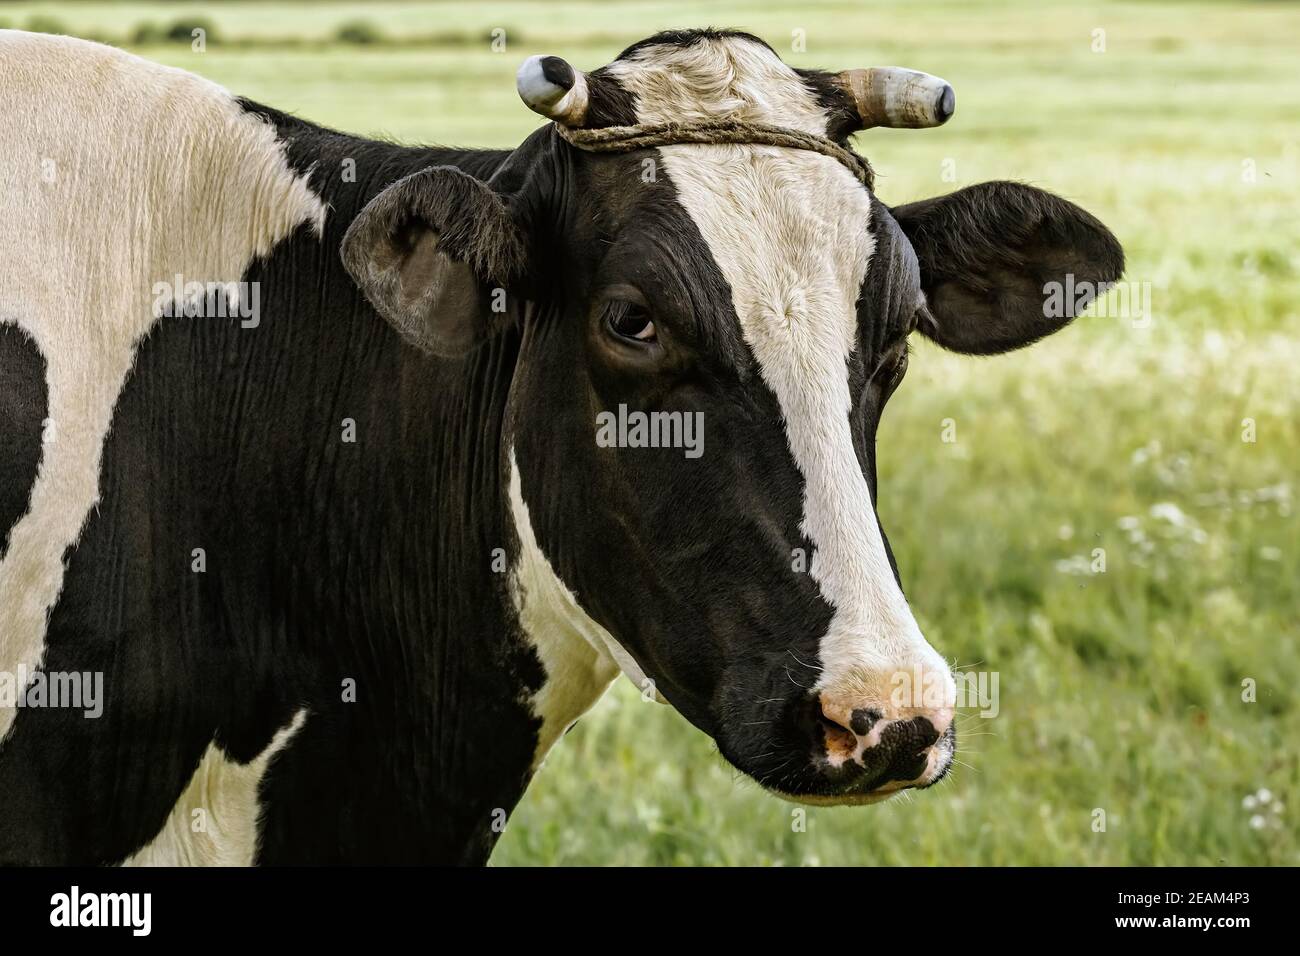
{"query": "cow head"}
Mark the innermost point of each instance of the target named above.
(763, 297)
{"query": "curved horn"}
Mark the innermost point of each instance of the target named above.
(899, 98)
(548, 85)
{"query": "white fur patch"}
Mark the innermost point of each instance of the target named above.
(216, 820)
(118, 174)
(789, 230)
(739, 79)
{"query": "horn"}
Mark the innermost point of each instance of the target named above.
(548, 85)
(899, 98)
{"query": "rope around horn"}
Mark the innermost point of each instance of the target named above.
(625, 139)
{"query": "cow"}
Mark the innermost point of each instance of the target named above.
(302, 485)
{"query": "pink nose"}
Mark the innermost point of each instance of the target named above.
(913, 746)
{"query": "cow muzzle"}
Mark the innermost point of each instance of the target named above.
(873, 753)
(858, 735)
(876, 734)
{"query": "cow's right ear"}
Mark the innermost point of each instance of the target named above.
(428, 252)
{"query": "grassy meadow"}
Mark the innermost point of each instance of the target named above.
(1169, 441)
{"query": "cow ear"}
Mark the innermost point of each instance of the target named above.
(428, 252)
(989, 255)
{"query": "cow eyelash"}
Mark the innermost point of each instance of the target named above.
(629, 320)
(897, 369)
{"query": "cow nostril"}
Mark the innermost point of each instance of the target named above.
(857, 722)
(910, 737)
(838, 739)
(863, 719)
(844, 730)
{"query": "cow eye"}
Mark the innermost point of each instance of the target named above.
(629, 320)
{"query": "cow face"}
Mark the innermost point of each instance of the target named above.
(710, 335)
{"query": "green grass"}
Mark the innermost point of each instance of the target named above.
(1119, 691)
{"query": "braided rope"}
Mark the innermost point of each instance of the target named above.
(625, 139)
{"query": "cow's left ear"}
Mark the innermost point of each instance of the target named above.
(428, 251)
(988, 255)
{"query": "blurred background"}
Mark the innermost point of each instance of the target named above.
(1106, 521)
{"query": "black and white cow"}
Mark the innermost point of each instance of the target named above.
(350, 565)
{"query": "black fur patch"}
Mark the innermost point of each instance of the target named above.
(609, 104)
(24, 405)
